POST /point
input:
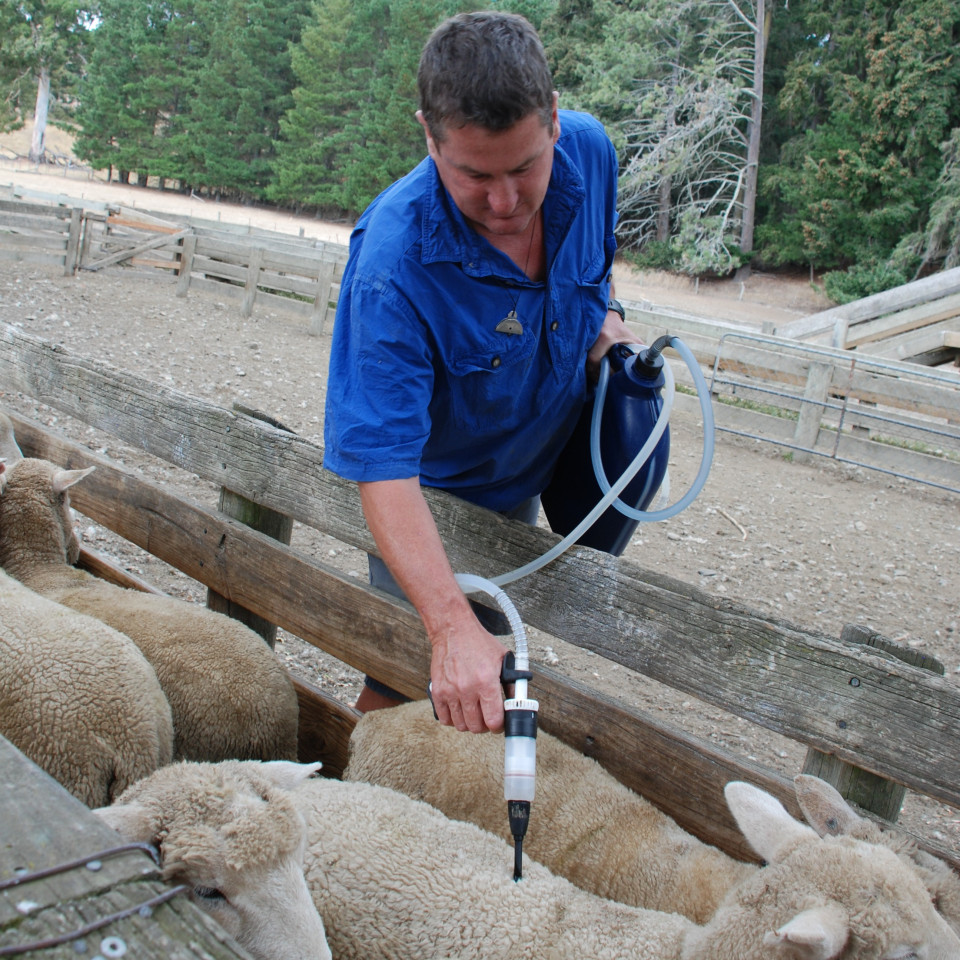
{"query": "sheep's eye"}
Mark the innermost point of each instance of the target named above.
(210, 894)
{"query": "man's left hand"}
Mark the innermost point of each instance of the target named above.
(614, 330)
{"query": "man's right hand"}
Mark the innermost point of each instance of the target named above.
(465, 677)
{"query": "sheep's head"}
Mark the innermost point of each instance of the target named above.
(35, 520)
(830, 815)
(823, 898)
(231, 832)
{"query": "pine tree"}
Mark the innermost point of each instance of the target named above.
(868, 96)
(352, 131)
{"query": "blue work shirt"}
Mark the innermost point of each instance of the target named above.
(421, 383)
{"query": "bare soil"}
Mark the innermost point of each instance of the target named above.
(819, 545)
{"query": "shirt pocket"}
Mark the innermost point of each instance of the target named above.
(490, 388)
(594, 287)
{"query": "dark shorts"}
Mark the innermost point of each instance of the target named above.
(493, 620)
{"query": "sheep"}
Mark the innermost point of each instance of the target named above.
(585, 825)
(237, 843)
(394, 878)
(230, 696)
(829, 814)
(78, 698)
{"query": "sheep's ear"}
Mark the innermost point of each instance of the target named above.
(820, 933)
(8, 444)
(823, 806)
(133, 821)
(64, 479)
(763, 820)
(286, 774)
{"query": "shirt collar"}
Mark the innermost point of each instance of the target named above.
(448, 237)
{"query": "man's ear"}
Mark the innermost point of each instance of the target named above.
(431, 145)
(555, 116)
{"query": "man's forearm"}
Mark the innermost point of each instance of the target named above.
(466, 660)
(404, 529)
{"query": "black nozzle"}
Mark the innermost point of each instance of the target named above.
(519, 813)
(649, 362)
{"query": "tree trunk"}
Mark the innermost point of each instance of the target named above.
(761, 33)
(40, 116)
(666, 182)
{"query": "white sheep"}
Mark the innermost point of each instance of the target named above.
(394, 878)
(584, 824)
(830, 815)
(237, 842)
(230, 696)
(78, 698)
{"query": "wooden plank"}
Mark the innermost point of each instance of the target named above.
(173, 265)
(321, 299)
(864, 789)
(127, 254)
(36, 244)
(324, 730)
(101, 566)
(21, 255)
(34, 210)
(43, 222)
(257, 517)
(904, 321)
(940, 284)
(187, 252)
(252, 279)
(896, 720)
(152, 227)
(42, 826)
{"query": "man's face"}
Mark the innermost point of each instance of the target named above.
(497, 180)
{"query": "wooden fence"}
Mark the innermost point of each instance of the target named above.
(883, 414)
(854, 406)
(257, 269)
(889, 719)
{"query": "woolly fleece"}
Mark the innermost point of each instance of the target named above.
(393, 878)
(230, 696)
(77, 697)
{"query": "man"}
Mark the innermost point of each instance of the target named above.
(475, 297)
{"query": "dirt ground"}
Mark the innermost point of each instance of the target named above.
(819, 545)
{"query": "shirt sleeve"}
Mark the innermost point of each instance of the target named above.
(379, 386)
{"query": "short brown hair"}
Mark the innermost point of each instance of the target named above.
(487, 68)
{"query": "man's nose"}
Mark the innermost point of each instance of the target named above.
(502, 197)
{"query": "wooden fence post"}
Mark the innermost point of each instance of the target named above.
(73, 242)
(811, 410)
(253, 278)
(867, 790)
(321, 302)
(187, 250)
(273, 524)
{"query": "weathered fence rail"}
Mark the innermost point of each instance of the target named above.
(839, 698)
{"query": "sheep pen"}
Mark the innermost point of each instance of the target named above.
(817, 544)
